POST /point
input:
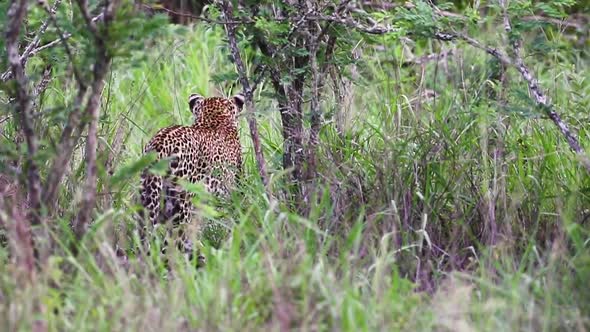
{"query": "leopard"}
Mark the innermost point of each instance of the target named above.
(207, 152)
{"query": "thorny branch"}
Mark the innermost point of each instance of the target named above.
(515, 42)
(517, 62)
(231, 34)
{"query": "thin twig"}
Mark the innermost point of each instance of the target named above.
(195, 17)
(67, 48)
(33, 44)
(57, 41)
(567, 23)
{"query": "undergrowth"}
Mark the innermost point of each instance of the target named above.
(463, 212)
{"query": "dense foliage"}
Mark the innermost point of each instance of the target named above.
(414, 181)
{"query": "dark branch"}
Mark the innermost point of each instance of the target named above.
(231, 34)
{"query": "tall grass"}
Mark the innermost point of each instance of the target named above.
(455, 213)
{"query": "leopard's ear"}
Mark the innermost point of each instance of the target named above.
(239, 100)
(193, 100)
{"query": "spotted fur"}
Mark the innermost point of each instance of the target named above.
(208, 152)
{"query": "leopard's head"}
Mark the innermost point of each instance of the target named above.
(214, 112)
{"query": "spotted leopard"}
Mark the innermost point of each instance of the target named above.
(208, 152)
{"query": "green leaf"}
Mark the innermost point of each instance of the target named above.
(196, 188)
(128, 171)
(161, 167)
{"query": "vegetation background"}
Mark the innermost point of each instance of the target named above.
(442, 196)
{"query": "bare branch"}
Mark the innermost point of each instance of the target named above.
(517, 61)
(16, 14)
(444, 36)
(50, 44)
(101, 67)
(227, 8)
